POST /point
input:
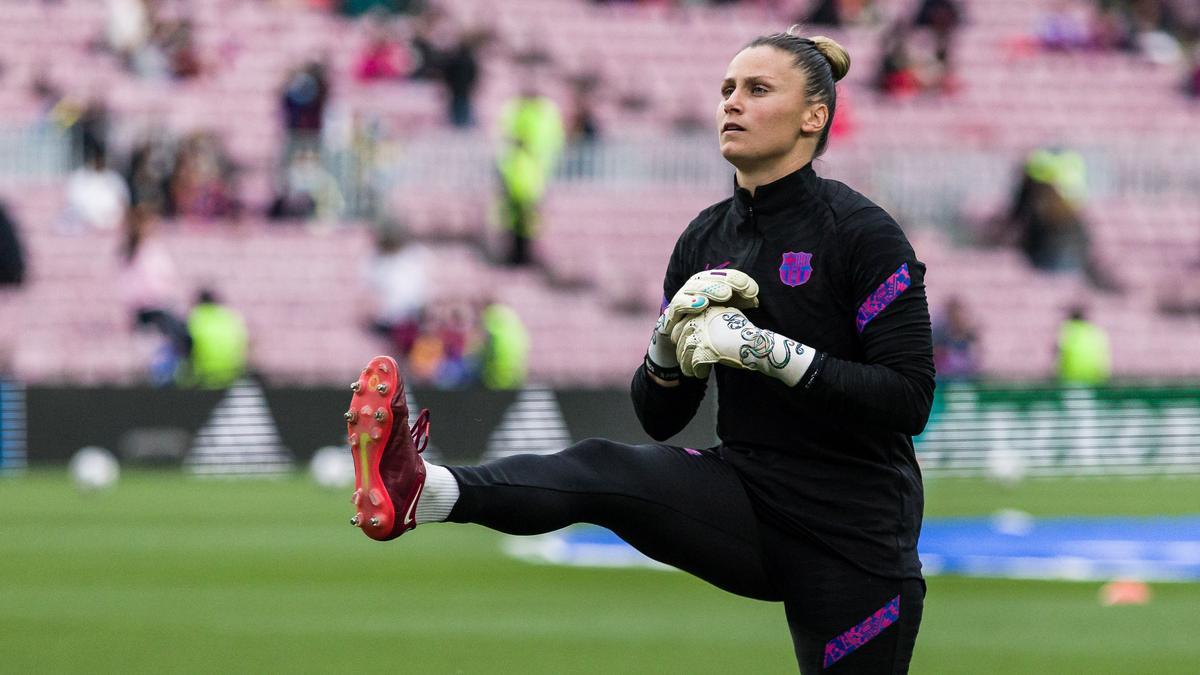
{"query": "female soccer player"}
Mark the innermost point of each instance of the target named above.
(808, 303)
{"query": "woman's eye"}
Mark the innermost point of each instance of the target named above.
(759, 89)
(726, 92)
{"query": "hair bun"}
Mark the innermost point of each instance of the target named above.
(834, 53)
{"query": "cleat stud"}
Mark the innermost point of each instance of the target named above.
(383, 368)
(374, 522)
(356, 387)
(351, 416)
(356, 498)
(355, 520)
(381, 388)
(380, 415)
(376, 498)
(376, 433)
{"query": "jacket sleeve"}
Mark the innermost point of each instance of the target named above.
(893, 386)
(665, 411)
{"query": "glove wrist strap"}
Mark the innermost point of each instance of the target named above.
(665, 373)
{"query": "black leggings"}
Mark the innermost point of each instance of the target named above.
(689, 509)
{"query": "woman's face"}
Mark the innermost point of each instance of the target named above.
(763, 112)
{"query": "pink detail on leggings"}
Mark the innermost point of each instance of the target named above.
(863, 633)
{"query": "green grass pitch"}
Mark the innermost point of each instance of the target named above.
(167, 574)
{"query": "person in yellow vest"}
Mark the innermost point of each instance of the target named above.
(506, 348)
(219, 343)
(524, 182)
(533, 138)
(534, 121)
(1083, 353)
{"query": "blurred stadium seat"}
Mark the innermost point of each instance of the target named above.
(604, 244)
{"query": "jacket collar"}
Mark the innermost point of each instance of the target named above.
(790, 191)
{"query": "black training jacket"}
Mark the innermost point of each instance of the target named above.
(833, 456)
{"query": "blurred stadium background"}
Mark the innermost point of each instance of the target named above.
(343, 178)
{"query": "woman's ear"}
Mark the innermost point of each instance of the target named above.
(815, 117)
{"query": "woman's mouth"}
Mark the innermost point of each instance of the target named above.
(731, 127)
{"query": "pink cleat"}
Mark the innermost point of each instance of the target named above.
(388, 471)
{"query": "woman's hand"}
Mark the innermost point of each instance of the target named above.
(724, 335)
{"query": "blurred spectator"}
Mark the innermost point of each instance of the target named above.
(96, 195)
(218, 343)
(44, 90)
(442, 353)
(456, 325)
(954, 340)
(383, 58)
(533, 132)
(201, 185)
(308, 190)
(460, 74)
(425, 358)
(523, 179)
(397, 279)
(89, 127)
(506, 348)
(1192, 84)
(898, 75)
(1083, 353)
(1154, 26)
(1046, 219)
(12, 254)
(583, 129)
(942, 18)
(149, 173)
(534, 120)
(303, 99)
(424, 44)
(361, 7)
(824, 13)
(841, 12)
(1066, 26)
(128, 27)
(176, 41)
(150, 287)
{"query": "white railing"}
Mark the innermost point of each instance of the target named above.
(34, 153)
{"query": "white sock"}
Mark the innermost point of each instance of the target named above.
(439, 496)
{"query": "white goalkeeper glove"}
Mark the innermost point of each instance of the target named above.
(723, 287)
(661, 361)
(724, 335)
(726, 287)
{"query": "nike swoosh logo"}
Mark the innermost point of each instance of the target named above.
(408, 517)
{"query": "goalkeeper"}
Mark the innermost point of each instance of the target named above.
(806, 303)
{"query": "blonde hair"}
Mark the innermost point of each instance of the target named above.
(822, 60)
(835, 54)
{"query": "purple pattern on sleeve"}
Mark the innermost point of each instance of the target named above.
(883, 296)
(861, 634)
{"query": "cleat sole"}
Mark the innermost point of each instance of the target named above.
(368, 436)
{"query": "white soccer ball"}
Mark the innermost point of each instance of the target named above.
(94, 468)
(332, 467)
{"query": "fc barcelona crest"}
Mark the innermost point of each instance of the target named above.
(796, 268)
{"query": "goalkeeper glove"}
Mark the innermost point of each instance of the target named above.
(660, 357)
(728, 287)
(724, 335)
